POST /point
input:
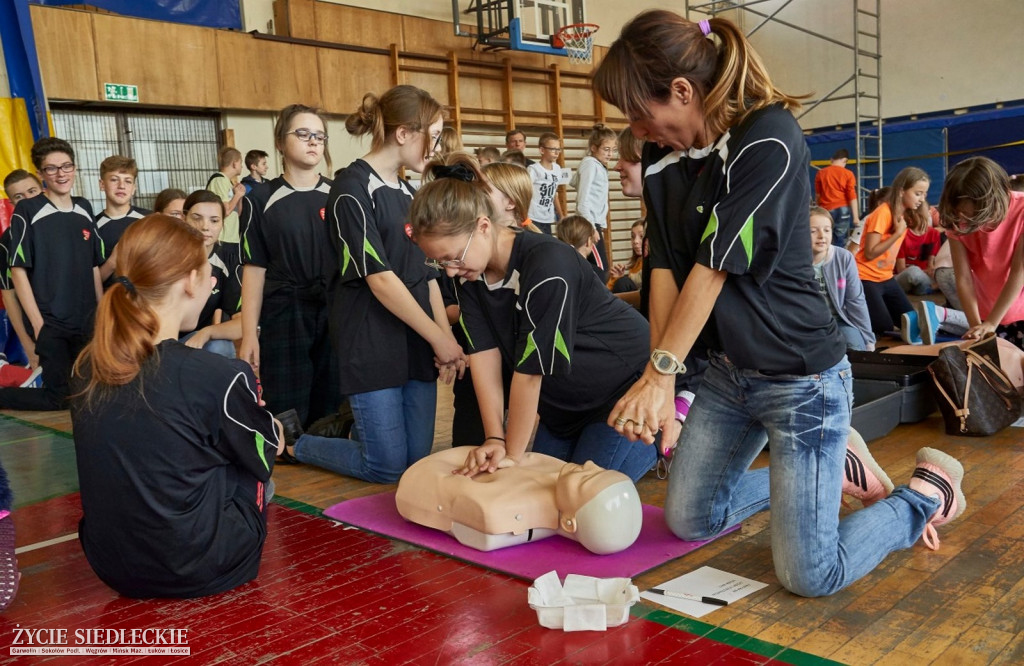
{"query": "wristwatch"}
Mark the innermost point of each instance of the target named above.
(666, 363)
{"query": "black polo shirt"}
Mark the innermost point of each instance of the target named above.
(369, 221)
(58, 250)
(552, 316)
(169, 466)
(112, 229)
(5, 264)
(742, 206)
(226, 294)
(285, 231)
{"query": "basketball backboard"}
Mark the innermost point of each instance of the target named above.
(520, 25)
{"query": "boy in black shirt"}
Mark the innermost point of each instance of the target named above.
(117, 182)
(55, 254)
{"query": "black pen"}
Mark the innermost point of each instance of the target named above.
(691, 597)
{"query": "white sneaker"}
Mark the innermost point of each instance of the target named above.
(35, 380)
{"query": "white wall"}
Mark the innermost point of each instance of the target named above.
(936, 54)
(256, 131)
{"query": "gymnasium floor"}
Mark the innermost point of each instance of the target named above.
(334, 595)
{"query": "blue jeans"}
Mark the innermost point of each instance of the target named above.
(394, 428)
(225, 348)
(600, 443)
(853, 336)
(842, 220)
(807, 420)
(9, 342)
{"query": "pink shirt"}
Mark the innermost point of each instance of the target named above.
(989, 253)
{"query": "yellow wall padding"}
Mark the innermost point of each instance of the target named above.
(15, 138)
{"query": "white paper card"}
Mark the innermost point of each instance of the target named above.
(707, 582)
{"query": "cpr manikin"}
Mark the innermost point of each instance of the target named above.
(534, 499)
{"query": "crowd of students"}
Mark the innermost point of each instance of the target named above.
(365, 290)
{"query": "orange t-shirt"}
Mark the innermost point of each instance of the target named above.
(836, 187)
(881, 267)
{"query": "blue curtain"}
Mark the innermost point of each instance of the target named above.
(209, 13)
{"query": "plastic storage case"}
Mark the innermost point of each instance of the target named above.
(907, 372)
(876, 408)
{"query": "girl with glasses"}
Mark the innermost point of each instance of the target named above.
(288, 262)
(532, 307)
(387, 320)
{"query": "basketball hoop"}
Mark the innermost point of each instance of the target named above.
(578, 41)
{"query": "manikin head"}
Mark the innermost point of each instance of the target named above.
(597, 507)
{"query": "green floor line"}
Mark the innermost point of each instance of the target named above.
(36, 426)
(24, 439)
(731, 638)
(299, 506)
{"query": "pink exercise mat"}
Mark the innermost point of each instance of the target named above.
(655, 545)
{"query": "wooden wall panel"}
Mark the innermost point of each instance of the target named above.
(533, 97)
(287, 73)
(172, 64)
(346, 76)
(422, 35)
(577, 101)
(67, 53)
(435, 84)
(187, 66)
(299, 18)
(363, 27)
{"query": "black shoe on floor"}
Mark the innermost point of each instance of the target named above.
(335, 426)
(292, 431)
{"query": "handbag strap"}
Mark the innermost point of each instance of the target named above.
(974, 358)
(961, 413)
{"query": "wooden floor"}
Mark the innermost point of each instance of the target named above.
(961, 605)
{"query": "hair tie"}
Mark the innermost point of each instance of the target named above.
(705, 27)
(126, 282)
(456, 171)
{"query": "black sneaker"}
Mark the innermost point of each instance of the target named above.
(335, 426)
(292, 431)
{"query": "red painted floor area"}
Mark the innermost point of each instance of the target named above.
(331, 595)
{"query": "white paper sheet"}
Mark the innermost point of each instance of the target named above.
(707, 582)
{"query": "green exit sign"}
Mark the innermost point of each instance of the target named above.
(120, 92)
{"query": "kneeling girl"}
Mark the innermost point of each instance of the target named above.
(534, 305)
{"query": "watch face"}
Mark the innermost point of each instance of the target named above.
(663, 363)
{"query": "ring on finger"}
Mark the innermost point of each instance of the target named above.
(621, 421)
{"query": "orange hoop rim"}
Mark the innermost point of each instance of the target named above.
(577, 31)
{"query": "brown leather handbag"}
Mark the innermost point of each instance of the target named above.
(975, 396)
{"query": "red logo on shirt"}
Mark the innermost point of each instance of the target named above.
(85, 234)
(408, 230)
(322, 211)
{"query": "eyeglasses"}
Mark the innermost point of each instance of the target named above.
(51, 170)
(608, 151)
(555, 150)
(435, 140)
(452, 263)
(306, 135)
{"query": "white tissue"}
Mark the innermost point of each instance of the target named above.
(583, 603)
